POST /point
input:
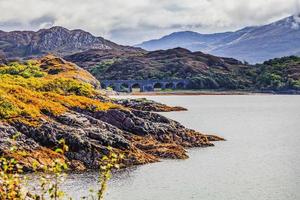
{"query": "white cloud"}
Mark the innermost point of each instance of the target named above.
(131, 21)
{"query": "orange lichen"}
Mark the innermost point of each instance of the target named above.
(43, 156)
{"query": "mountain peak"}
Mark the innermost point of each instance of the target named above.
(60, 29)
(57, 40)
(253, 44)
(57, 28)
(292, 21)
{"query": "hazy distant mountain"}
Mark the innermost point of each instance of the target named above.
(253, 44)
(57, 40)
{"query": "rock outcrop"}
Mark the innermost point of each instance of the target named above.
(143, 136)
(55, 100)
(147, 105)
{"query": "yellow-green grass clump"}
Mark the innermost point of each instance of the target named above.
(49, 86)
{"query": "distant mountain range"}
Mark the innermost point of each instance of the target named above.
(252, 44)
(57, 40)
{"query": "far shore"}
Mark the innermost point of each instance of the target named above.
(188, 92)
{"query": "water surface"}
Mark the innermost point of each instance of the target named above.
(260, 159)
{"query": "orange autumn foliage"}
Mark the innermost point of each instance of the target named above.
(51, 86)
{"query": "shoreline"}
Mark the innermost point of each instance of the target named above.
(201, 92)
(188, 93)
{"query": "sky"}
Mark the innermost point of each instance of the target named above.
(133, 21)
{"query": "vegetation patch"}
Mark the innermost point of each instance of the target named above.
(28, 92)
(204, 71)
(277, 74)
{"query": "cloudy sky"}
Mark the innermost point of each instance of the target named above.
(133, 21)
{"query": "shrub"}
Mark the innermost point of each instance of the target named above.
(25, 70)
(13, 185)
(30, 97)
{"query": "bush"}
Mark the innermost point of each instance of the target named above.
(13, 185)
(29, 98)
(25, 70)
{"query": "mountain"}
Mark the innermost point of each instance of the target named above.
(56, 40)
(185, 39)
(252, 44)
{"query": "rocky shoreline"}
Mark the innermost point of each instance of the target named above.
(62, 102)
(143, 136)
(147, 105)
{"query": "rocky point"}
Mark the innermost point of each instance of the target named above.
(61, 104)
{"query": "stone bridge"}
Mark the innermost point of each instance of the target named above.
(144, 85)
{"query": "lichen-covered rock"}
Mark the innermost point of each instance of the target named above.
(147, 105)
(147, 123)
(25, 149)
(144, 137)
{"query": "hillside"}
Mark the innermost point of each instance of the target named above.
(279, 74)
(45, 100)
(56, 40)
(203, 70)
(253, 44)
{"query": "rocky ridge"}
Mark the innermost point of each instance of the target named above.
(56, 40)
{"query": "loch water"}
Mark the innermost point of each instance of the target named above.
(260, 159)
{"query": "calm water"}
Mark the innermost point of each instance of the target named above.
(260, 159)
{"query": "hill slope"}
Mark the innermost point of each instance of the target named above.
(253, 44)
(203, 70)
(279, 74)
(207, 70)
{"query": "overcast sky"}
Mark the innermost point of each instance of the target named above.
(133, 21)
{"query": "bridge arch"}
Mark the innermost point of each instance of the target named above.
(136, 86)
(157, 86)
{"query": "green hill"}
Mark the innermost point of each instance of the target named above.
(203, 70)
